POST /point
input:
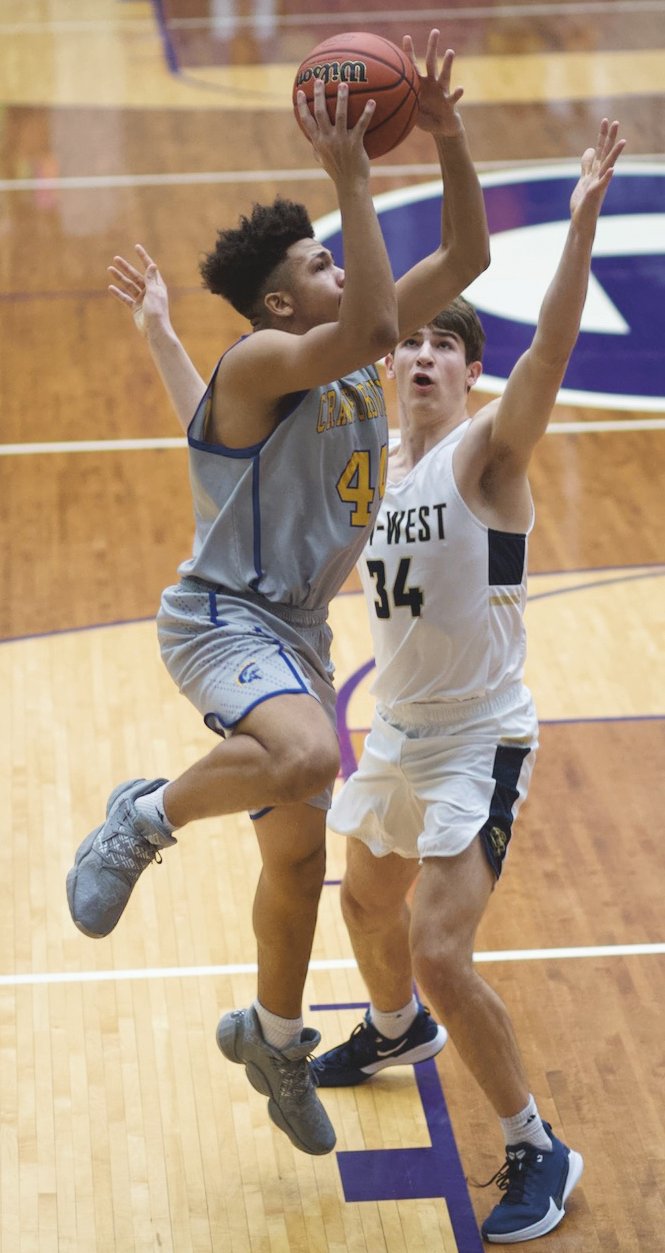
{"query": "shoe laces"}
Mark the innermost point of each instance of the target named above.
(357, 1045)
(129, 851)
(513, 1176)
(296, 1078)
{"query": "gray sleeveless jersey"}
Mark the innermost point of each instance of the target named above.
(287, 518)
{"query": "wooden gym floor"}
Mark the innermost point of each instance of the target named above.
(122, 1128)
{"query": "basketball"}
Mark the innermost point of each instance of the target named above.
(375, 69)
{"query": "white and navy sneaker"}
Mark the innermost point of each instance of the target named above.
(536, 1184)
(366, 1052)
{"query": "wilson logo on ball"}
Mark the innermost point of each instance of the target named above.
(334, 72)
(375, 69)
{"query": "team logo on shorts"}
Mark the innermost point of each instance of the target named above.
(249, 673)
(499, 840)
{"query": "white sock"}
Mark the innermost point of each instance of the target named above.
(526, 1128)
(279, 1032)
(396, 1022)
(152, 806)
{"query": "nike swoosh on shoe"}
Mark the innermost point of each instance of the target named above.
(395, 1051)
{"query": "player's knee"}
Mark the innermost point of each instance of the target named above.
(442, 968)
(360, 911)
(310, 872)
(307, 768)
(297, 877)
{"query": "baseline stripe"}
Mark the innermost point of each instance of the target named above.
(91, 445)
(92, 182)
(142, 445)
(342, 963)
(88, 182)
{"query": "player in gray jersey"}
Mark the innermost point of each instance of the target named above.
(287, 470)
(448, 757)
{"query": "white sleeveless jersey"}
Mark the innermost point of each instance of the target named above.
(446, 593)
(287, 518)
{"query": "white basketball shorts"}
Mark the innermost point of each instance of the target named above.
(428, 783)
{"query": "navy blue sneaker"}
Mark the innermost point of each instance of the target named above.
(537, 1185)
(366, 1052)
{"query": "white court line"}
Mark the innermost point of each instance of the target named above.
(93, 182)
(255, 21)
(92, 445)
(185, 178)
(141, 445)
(469, 12)
(342, 963)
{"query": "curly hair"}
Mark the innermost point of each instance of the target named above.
(461, 318)
(245, 257)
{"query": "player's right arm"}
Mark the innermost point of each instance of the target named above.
(274, 363)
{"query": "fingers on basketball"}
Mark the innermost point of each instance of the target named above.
(374, 69)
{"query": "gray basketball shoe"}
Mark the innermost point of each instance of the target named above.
(284, 1077)
(110, 859)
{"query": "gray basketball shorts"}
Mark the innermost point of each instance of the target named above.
(228, 654)
(431, 779)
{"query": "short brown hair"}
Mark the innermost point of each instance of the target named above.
(461, 318)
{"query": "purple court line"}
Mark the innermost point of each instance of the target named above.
(418, 1173)
(170, 54)
(654, 570)
(348, 761)
(655, 573)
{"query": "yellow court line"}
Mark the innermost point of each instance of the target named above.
(126, 69)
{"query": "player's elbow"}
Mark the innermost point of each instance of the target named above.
(550, 356)
(367, 339)
(484, 256)
(468, 251)
(383, 335)
(473, 261)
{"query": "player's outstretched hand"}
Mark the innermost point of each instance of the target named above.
(437, 104)
(597, 169)
(143, 292)
(338, 148)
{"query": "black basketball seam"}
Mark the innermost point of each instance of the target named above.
(370, 92)
(373, 130)
(405, 128)
(358, 55)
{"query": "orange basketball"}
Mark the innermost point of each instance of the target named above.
(375, 69)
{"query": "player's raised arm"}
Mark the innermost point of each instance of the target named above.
(524, 411)
(143, 291)
(464, 249)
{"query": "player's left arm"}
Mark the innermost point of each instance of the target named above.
(522, 415)
(464, 249)
(143, 291)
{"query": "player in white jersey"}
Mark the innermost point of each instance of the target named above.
(274, 442)
(447, 760)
